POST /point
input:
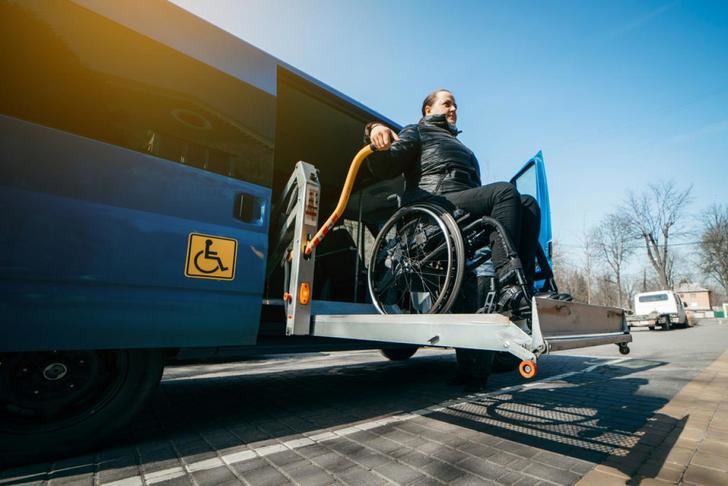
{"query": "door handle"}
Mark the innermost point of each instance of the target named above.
(248, 208)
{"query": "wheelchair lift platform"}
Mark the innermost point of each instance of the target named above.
(554, 324)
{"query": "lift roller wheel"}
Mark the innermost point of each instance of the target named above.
(623, 348)
(527, 369)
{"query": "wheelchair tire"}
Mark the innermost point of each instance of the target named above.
(417, 262)
(460, 254)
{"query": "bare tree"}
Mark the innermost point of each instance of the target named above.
(588, 265)
(653, 216)
(569, 278)
(605, 290)
(631, 285)
(714, 245)
(614, 245)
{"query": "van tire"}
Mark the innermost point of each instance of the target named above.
(667, 325)
(399, 354)
(651, 328)
(505, 361)
(85, 398)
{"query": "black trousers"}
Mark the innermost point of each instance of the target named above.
(519, 215)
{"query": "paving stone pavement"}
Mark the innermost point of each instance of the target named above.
(354, 418)
(689, 442)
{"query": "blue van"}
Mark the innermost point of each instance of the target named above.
(141, 151)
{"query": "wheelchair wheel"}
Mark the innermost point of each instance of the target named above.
(417, 262)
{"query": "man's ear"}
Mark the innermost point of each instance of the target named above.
(428, 110)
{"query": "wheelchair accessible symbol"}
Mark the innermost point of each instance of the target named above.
(211, 257)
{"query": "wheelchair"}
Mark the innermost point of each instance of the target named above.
(424, 252)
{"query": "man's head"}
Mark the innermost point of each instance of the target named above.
(441, 101)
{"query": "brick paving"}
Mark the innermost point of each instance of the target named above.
(356, 419)
(687, 439)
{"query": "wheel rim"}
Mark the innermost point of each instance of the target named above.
(412, 264)
(49, 390)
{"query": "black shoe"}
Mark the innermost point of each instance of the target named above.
(514, 300)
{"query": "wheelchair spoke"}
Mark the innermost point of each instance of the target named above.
(386, 283)
(441, 248)
(425, 286)
(437, 268)
(423, 232)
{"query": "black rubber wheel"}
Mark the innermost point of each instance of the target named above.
(417, 262)
(475, 364)
(399, 354)
(667, 325)
(55, 403)
(504, 362)
(651, 328)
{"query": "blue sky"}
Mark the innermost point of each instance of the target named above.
(617, 94)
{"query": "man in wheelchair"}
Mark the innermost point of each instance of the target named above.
(425, 257)
(440, 169)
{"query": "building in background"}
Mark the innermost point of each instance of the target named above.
(696, 298)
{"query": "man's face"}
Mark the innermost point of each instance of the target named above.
(444, 105)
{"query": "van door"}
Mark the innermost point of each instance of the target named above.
(531, 180)
(135, 188)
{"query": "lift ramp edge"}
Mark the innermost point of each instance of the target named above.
(561, 319)
(473, 331)
(572, 325)
(557, 325)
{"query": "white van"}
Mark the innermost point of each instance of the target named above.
(660, 308)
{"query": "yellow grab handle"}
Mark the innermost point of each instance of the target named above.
(343, 199)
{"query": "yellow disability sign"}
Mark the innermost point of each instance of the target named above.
(211, 257)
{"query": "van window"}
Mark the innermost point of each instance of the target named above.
(526, 181)
(84, 74)
(653, 298)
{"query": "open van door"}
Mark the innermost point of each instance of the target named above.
(531, 179)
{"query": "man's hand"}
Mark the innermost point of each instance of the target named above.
(382, 137)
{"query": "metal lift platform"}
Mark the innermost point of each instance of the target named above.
(555, 325)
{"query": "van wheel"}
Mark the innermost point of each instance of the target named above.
(60, 402)
(504, 361)
(667, 325)
(651, 328)
(399, 354)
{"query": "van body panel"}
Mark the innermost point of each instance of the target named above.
(95, 247)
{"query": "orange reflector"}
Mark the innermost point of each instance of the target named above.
(304, 293)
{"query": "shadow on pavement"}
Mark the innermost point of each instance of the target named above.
(594, 417)
(587, 415)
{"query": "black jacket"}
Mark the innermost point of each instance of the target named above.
(431, 158)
